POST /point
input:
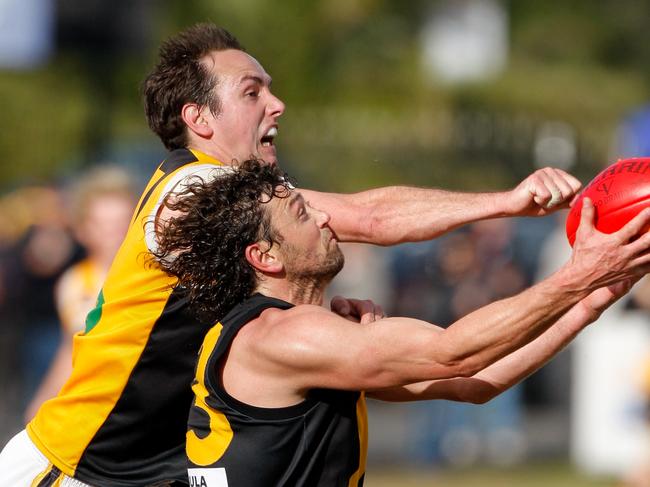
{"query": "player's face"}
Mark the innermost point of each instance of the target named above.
(248, 121)
(308, 246)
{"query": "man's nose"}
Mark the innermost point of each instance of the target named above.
(276, 106)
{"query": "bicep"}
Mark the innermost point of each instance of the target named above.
(323, 350)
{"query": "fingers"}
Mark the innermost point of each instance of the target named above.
(638, 251)
(610, 258)
(360, 310)
(573, 182)
(375, 313)
(641, 261)
(340, 306)
(587, 216)
(641, 245)
(366, 310)
(635, 225)
(626, 234)
(552, 187)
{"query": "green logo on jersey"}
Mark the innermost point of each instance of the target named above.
(96, 313)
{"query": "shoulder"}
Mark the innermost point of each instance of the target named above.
(303, 315)
(180, 179)
(175, 184)
(300, 328)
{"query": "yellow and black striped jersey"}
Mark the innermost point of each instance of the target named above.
(321, 442)
(120, 420)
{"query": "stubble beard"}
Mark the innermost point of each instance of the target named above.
(308, 271)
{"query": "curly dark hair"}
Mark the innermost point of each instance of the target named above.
(180, 77)
(204, 247)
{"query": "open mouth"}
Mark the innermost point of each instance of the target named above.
(267, 139)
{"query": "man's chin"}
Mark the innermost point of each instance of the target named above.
(335, 263)
(321, 273)
(269, 156)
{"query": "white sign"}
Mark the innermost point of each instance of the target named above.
(207, 477)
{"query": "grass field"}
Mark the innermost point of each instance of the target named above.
(533, 475)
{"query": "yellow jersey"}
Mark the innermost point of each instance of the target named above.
(120, 420)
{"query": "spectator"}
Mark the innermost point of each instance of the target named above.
(101, 207)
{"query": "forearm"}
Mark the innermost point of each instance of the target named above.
(513, 368)
(520, 364)
(496, 330)
(387, 216)
(403, 214)
(502, 374)
(600, 270)
(392, 215)
(423, 353)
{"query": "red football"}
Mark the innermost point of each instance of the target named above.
(619, 193)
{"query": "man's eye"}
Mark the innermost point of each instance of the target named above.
(251, 93)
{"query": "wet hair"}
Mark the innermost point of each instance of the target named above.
(204, 246)
(181, 77)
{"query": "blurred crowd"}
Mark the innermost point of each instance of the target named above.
(56, 244)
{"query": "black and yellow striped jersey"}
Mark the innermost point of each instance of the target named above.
(121, 418)
(321, 442)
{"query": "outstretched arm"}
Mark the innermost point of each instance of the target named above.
(513, 368)
(392, 215)
(307, 347)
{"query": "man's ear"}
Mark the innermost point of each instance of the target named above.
(193, 116)
(263, 259)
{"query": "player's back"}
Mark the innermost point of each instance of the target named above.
(121, 418)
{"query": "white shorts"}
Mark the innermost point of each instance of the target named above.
(23, 465)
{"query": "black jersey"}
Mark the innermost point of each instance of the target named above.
(319, 442)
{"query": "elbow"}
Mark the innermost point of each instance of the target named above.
(481, 397)
(476, 391)
(457, 355)
(457, 365)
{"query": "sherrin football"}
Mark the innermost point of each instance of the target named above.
(619, 193)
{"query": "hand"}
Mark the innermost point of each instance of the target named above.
(601, 299)
(358, 310)
(543, 192)
(600, 259)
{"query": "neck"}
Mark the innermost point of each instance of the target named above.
(211, 151)
(302, 290)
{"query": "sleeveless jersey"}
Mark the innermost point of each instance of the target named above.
(120, 420)
(321, 442)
